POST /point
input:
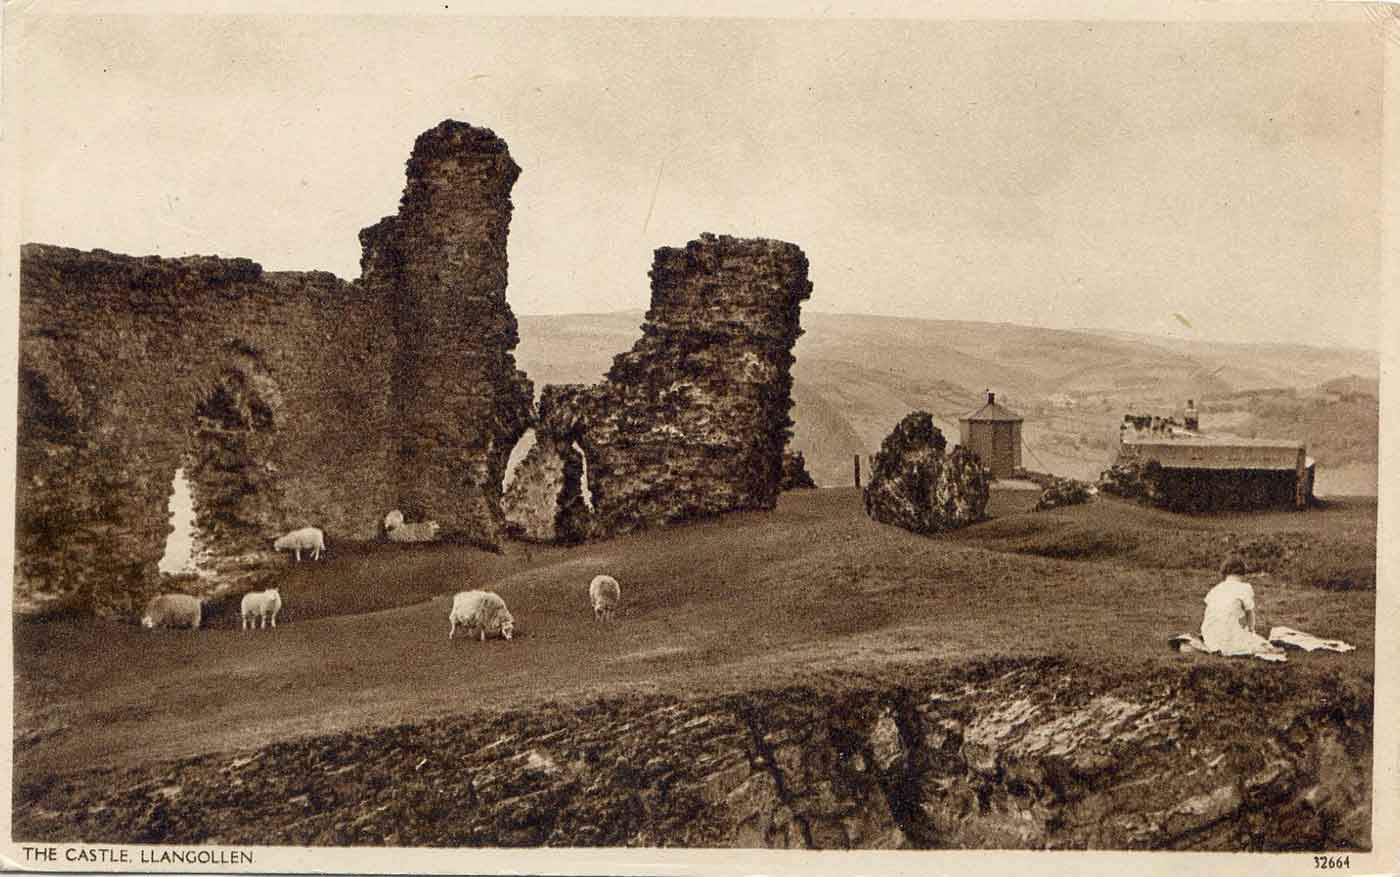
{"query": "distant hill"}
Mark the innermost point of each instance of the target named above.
(856, 376)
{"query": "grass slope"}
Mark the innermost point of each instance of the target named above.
(714, 606)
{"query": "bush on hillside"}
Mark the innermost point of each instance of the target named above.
(1063, 492)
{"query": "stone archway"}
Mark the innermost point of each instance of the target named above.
(228, 462)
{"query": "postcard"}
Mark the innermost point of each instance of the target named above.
(762, 439)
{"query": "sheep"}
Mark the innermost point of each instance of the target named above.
(605, 593)
(480, 610)
(173, 610)
(261, 606)
(422, 531)
(306, 539)
(398, 531)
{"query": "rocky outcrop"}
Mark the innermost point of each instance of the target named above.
(916, 486)
(795, 474)
(1007, 755)
(289, 398)
(694, 419)
(460, 404)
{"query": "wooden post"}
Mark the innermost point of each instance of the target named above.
(1300, 487)
(857, 470)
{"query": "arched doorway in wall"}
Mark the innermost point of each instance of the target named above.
(224, 496)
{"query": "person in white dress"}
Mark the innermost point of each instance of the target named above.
(1228, 626)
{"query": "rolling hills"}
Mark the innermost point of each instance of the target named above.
(856, 376)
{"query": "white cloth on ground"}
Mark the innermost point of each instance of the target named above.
(1287, 636)
(1190, 642)
(1223, 627)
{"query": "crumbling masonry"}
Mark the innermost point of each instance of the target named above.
(296, 398)
(694, 419)
(289, 398)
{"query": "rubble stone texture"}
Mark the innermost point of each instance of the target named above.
(916, 486)
(545, 501)
(290, 398)
(268, 388)
(460, 404)
(694, 419)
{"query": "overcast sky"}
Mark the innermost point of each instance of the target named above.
(1065, 174)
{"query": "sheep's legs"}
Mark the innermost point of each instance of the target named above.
(452, 631)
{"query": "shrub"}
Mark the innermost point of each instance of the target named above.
(1063, 492)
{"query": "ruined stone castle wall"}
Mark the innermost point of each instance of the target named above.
(694, 419)
(268, 388)
(289, 398)
(460, 403)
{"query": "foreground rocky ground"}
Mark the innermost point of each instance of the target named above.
(801, 678)
(1001, 754)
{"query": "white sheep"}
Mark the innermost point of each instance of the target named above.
(605, 593)
(173, 610)
(420, 531)
(306, 539)
(398, 531)
(483, 611)
(260, 607)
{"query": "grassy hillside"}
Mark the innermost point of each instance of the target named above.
(856, 376)
(718, 605)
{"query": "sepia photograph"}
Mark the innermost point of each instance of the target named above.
(745, 440)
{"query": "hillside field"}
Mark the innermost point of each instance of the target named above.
(811, 593)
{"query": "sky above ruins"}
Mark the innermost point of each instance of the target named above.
(1213, 181)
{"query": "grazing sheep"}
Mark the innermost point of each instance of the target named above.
(483, 611)
(173, 610)
(421, 531)
(306, 539)
(605, 593)
(261, 606)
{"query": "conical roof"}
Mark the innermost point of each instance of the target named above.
(992, 411)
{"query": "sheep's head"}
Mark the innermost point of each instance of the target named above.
(274, 592)
(147, 621)
(508, 629)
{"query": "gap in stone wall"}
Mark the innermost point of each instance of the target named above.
(180, 544)
(184, 548)
(583, 480)
(517, 454)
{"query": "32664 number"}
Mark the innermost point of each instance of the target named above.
(1331, 861)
